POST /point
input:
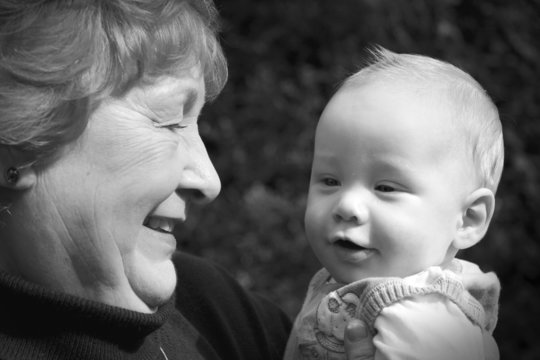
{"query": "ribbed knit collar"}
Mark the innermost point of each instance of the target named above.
(29, 311)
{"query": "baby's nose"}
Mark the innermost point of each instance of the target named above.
(351, 208)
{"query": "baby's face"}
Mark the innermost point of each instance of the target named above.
(388, 185)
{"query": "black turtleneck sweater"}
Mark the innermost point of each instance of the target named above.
(210, 317)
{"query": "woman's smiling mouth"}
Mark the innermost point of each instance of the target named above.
(164, 225)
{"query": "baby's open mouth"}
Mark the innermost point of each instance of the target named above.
(160, 224)
(347, 244)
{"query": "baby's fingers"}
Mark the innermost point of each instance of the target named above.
(358, 342)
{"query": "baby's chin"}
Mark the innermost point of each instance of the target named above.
(347, 277)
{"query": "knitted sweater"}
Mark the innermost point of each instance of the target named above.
(419, 316)
(210, 317)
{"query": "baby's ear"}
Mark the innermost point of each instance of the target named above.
(475, 220)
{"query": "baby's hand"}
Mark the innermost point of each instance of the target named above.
(358, 343)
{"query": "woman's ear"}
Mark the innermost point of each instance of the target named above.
(475, 220)
(15, 174)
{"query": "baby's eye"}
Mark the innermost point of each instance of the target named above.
(330, 182)
(385, 188)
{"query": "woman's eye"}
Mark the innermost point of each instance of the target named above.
(176, 126)
(385, 188)
(172, 125)
(330, 182)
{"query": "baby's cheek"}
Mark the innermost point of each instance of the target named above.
(398, 229)
(314, 229)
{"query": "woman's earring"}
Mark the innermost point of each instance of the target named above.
(12, 175)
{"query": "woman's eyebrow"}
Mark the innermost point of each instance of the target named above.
(166, 105)
(190, 101)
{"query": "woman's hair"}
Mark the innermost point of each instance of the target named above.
(59, 58)
(472, 110)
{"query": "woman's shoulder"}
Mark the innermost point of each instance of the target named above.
(201, 280)
(207, 282)
(235, 321)
(191, 268)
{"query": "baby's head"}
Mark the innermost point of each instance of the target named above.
(408, 156)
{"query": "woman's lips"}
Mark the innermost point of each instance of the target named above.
(160, 224)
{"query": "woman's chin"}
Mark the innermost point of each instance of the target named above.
(155, 285)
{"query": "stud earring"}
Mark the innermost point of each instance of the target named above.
(12, 175)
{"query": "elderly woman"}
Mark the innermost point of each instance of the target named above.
(100, 159)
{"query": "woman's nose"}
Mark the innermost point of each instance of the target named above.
(199, 179)
(351, 207)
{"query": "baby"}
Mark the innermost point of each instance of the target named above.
(408, 156)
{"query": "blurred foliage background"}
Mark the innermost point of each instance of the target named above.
(286, 59)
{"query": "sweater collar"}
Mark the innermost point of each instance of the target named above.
(26, 303)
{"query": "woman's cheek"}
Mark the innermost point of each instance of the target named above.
(141, 154)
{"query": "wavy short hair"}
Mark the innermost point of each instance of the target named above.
(473, 111)
(59, 59)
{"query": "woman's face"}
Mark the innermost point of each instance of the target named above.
(102, 215)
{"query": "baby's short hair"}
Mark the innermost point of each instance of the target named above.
(472, 108)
